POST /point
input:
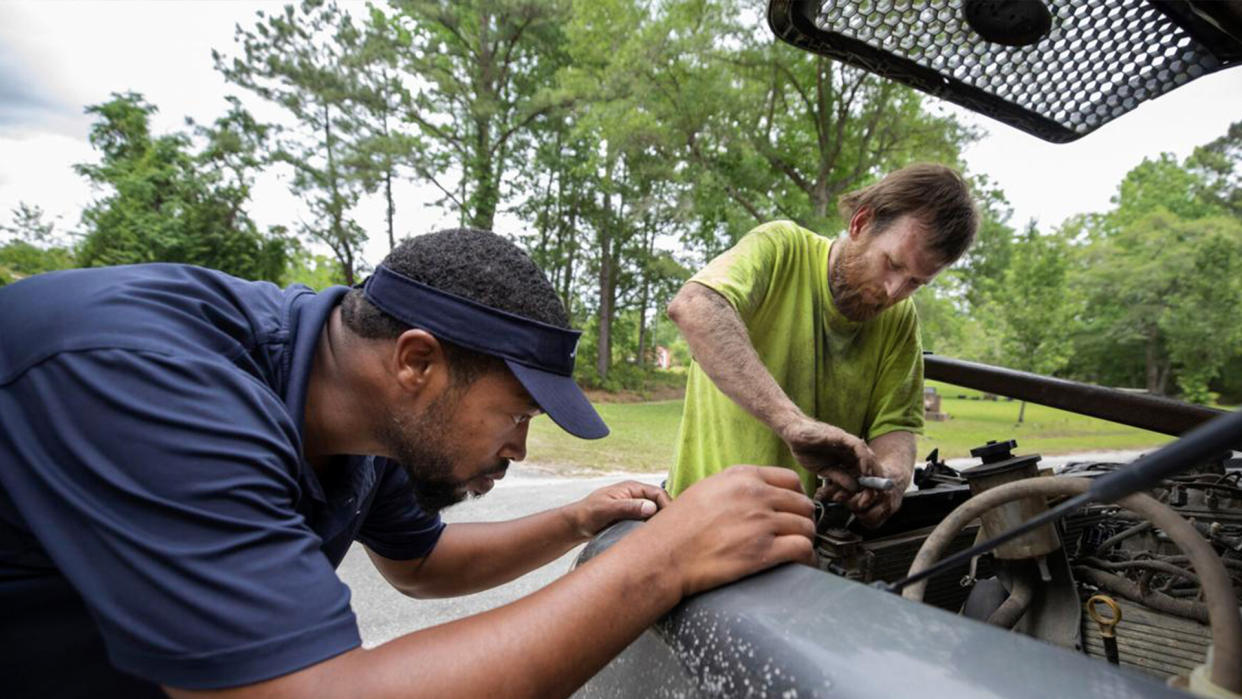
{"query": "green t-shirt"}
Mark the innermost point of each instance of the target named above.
(866, 378)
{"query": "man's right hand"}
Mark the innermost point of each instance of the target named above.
(829, 451)
(734, 523)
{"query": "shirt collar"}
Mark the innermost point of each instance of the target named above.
(308, 314)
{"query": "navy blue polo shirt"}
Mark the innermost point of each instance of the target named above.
(158, 524)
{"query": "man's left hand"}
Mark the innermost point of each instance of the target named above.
(871, 506)
(625, 500)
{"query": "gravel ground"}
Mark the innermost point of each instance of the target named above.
(384, 614)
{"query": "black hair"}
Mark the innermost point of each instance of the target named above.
(479, 265)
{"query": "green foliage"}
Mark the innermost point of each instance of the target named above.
(1166, 289)
(1033, 314)
(316, 271)
(297, 59)
(485, 70)
(162, 203)
(19, 259)
(1218, 166)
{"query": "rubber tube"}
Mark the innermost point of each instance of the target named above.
(1012, 609)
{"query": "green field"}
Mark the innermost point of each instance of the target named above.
(643, 434)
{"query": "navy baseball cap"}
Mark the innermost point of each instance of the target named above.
(541, 356)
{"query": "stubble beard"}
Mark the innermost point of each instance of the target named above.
(421, 445)
(845, 281)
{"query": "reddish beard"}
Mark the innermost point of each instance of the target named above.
(846, 281)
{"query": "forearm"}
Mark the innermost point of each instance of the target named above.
(895, 452)
(721, 345)
(477, 556)
(544, 645)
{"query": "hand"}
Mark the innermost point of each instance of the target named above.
(871, 506)
(626, 500)
(829, 451)
(734, 523)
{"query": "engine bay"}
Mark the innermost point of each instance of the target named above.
(1103, 581)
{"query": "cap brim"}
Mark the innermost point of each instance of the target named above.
(562, 400)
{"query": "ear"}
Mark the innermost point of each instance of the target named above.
(859, 223)
(418, 361)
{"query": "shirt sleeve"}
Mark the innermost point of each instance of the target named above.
(162, 488)
(744, 273)
(396, 527)
(897, 401)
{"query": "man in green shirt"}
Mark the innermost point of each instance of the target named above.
(807, 350)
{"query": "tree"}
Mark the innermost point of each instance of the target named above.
(164, 204)
(373, 56)
(484, 70)
(295, 60)
(1167, 288)
(1032, 310)
(1219, 166)
(33, 246)
(779, 132)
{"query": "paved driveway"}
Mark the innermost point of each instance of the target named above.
(384, 614)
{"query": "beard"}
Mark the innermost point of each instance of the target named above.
(846, 281)
(421, 445)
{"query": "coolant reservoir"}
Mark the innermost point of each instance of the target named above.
(999, 467)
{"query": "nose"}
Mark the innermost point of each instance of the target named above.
(893, 285)
(515, 447)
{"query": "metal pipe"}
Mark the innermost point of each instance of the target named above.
(1154, 413)
(1222, 607)
(1111, 541)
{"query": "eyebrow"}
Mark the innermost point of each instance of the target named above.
(900, 267)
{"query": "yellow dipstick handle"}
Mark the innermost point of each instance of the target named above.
(1106, 623)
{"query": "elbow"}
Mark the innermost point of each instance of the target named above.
(425, 589)
(679, 308)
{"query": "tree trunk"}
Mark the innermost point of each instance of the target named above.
(603, 359)
(337, 231)
(569, 243)
(1153, 365)
(1021, 412)
(645, 299)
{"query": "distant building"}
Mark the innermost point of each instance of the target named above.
(931, 405)
(663, 358)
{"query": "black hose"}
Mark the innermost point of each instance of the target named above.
(1012, 609)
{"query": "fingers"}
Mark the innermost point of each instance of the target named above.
(640, 509)
(779, 477)
(782, 500)
(840, 480)
(635, 489)
(792, 548)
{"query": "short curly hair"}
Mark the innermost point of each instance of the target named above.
(479, 265)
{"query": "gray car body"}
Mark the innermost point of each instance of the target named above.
(796, 631)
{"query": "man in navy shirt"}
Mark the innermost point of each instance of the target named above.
(185, 457)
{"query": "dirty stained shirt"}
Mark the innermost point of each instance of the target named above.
(866, 378)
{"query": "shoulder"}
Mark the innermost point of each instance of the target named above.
(899, 322)
(163, 308)
(787, 234)
(776, 243)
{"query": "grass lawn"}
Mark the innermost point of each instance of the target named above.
(644, 434)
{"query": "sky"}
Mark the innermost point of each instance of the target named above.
(58, 56)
